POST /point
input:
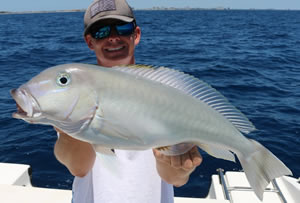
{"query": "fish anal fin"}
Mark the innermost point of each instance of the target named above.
(217, 151)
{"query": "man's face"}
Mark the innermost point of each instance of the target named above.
(114, 49)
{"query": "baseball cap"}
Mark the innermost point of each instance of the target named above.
(107, 9)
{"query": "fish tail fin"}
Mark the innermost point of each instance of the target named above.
(261, 167)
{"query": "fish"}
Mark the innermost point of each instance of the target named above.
(139, 107)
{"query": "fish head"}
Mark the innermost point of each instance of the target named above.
(61, 96)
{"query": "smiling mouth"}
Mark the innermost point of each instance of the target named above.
(115, 49)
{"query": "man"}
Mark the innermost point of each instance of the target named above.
(146, 176)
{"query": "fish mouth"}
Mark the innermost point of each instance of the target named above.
(27, 106)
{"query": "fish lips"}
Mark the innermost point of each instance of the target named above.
(28, 107)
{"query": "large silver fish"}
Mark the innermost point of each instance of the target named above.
(138, 108)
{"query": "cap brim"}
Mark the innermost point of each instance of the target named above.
(117, 17)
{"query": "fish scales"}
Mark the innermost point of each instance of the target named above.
(180, 114)
(155, 102)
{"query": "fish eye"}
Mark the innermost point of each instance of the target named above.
(63, 79)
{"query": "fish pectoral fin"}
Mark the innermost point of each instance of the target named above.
(71, 127)
(113, 128)
(217, 151)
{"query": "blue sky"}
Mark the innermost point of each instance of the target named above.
(36, 5)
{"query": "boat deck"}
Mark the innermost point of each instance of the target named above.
(231, 187)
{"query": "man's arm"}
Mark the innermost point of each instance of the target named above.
(77, 156)
(176, 170)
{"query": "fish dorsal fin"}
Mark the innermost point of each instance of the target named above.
(194, 87)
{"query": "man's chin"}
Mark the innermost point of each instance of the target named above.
(116, 57)
(116, 54)
(117, 61)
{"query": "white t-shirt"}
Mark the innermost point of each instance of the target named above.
(139, 182)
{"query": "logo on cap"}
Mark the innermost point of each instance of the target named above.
(102, 5)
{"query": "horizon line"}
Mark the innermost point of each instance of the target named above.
(148, 9)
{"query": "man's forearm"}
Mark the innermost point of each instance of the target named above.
(76, 155)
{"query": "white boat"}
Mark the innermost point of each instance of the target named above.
(231, 187)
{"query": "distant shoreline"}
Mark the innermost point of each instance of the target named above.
(29, 12)
(150, 9)
(216, 8)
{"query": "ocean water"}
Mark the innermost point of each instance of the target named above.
(252, 57)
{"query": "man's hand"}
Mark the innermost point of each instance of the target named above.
(177, 169)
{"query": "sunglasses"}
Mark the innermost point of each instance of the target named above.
(100, 32)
